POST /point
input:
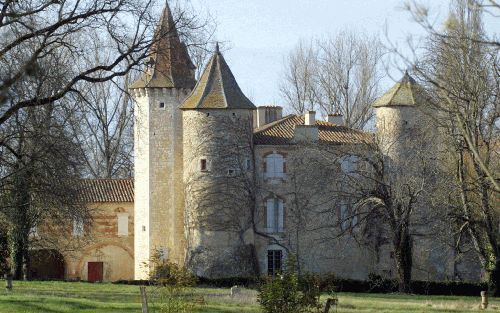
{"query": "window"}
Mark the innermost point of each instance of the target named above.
(143, 228)
(78, 227)
(162, 105)
(248, 164)
(122, 224)
(274, 166)
(275, 216)
(203, 165)
(347, 216)
(344, 215)
(348, 164)
(231, 172)
(274, 261)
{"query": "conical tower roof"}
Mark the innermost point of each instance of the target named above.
(217, 88)
(406, 92)
(170, 64)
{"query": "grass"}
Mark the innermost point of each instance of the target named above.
(60, 297)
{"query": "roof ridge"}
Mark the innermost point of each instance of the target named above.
(269, 125)
(111, 179)
(217, 52)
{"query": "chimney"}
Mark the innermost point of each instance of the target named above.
(336, 118)
(307, 132)
(310, 118)
(267, 114)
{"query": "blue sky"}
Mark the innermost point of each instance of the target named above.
(260, 33)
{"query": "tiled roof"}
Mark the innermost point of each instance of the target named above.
(107, 190)
(217, 88)
(406, 92)
(281, 132)
(171, 65)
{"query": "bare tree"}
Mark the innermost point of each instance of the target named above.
(349, 75)
(338, 74)
(42, 165)
(298, 86)
(46, 62)
(460, 66)
(464, 34)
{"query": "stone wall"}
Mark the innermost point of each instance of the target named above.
(101, 243)
(159, 202)
(311, 211)
(218, 197)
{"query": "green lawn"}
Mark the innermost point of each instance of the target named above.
(58, 297)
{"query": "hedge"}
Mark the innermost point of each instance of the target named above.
(375, 284)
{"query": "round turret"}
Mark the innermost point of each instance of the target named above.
(402, 119)
(218, 175)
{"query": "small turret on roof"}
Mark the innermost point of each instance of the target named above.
(406, 92)
(217, 88)
(169, 65)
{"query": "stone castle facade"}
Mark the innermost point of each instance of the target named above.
(229, 189)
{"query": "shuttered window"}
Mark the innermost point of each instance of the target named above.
(123, 224)
(275, 166)
(275, 215)
(78, 227)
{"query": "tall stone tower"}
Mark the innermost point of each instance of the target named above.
(159, 202)
(410, 141)
(218, 173)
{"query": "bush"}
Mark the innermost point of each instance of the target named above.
(286, 293)
(169, 273)
(174, 281)
(229, 282)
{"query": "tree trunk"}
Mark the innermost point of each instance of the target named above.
(18, 252)
(403, 257)
(495, 278)
(20, 228)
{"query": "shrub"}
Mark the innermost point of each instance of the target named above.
(168, 273)
(286, 293)
(174, 281)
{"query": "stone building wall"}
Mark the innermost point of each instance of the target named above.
(159, 202)
(218, 203)
(101, 243)
(314, 238)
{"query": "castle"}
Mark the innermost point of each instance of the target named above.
(228, 188)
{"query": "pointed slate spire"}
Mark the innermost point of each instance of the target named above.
(217, 88)
(406, 92)
(169, 65)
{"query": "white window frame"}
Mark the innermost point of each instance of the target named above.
(122, 224)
